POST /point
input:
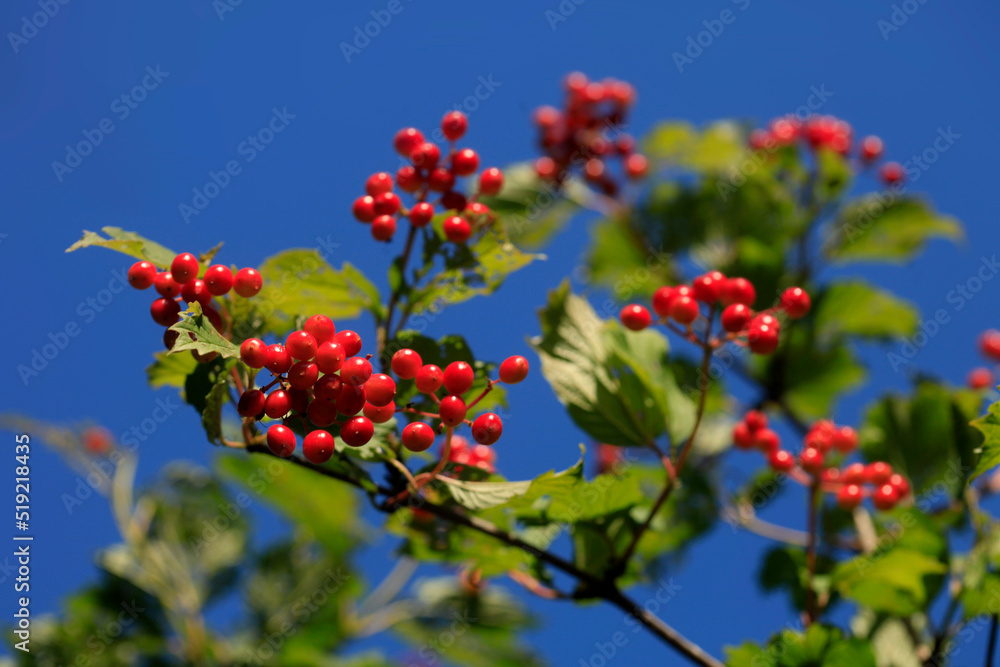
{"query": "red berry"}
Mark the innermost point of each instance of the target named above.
(248, 282)
(330, 356)
(364, 208)
(636, 166)
(141, 275)
(356, 371)
(426, 155)
(662, 299)
(845, 439)
(892, 173)
(900, 484)
(440, 180)
(755, 420)
(854, 474)
(278, 359)
(811, 459)
(383, 228)
(165, 285)
(378, 183)
(781, 460)
(253, 352)
(405, 364)
(760, 139)
(487, 428)
(490, 181)
(317, 447)
(464, 162)
(707, 288)
(513, 370)
(453, 201)
(546, 168)
(328, 387)
(219, 279)
(429, 379)
(458, 377)
(303, 375)
(684, 309)
(871, 148)
(766, 440)
(989, 344)
(885, 497)
(457, 229)
(408, 179)
(300, 399)
(454, 125)
(195, 290)
(421, 214)
(386, 203)
(165, 312)
(320, 327)
(762, 338)
(280, 440)
(322, 411)
(819, 439)
(251, 403)
(352, 399)
(849, 496)
(380, 414)
(380, 389)
(482, 457)
(301, 345)
(593, 169)
(742, 437)
(184, 268)
(418, 437)
(979, 378)
(796, 302)
(738, 290)
(736, 317)
(406, 140)
(831, 475)
(878, 472)
(452, 410)
(357, 432)
(635, 317)
(277, 404)
(350, 340)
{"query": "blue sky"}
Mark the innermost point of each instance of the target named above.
(213, 73)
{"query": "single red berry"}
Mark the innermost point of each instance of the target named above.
(636, 166)
(278, 359)
(426, 155)
(429, 379)
(871, 148)
(352, 399)
(165, 312)
(379, 414)
(303, 375)
(421, 214)
(593, 169)
(386, 203)
(762, 338)
(184, 268)
(465, 162)
(760, 139)
(845, 439)
(322, 411)
(251, 403)
(457, 229)
(458, 377)
(166, 286)
(736, 317)
(979, 378)
(742, 437)
(454, 125)
(453, 201)
(900, 484)
(440, 180)
(408, 179)
(378, 183)
(755, 420)
(364, 208)
(383, 228)
(97, 440)
(854, 474)
(350, 340)
(195, 290)
(380, 389)
(330, 356)
(219, 279)
(479, 210)
(248, 282)
(781, 460)
(811, 459)
(320, 327)
(796, 302)
(317, 447)
(328, 387)
(452, 410)
(418, 437)
(546, 168)
(850, 496)
(490, 181)
(169, 338)
(357, 432)
(738, 290)
(684, 309)
(406, 140)
(636, 317)
(487, 428)
(141, 275)
(280, 440)
(253, 352)
(662, 298)
(831, 475)
(819, 439)
(708, 287)
(989, 344)
(885, 497)
(405, 364)
(513, 370)
(892, 173)
(766, 440)
(878, 472)
(356, 371)
(277, 404)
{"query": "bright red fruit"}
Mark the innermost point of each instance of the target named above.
(845, 439)
(513, 370)
(487, 428)
(195, 290)
(490, 181)
(878, 472)
(357, 432)
(356, 371)
(736, 317)
(429, 379)
(684, 309)
(351, 399)
(811, 459)
(303, 375)
(253, 352)
(184, 268)
(328, 387)
(452, 410)
(457, 229)
(141, 275)
(165, 312)
(850, 496)
(251, 403)
(277, 404)
(383, 228)
(301, 345)
(421, 214)
(330, 356)
(165, 285)
(892, 173)
(406, 140)
(871, 148)
(441, 180)
(387, 203)
(738, 290)
(781, 460)
(885, 497)
(989, 344)
(707, 288)
(248, 282)
(364, 208)
(464, 162)
(380, 414)
(900, 484)
(762, 338)
(454, 124)
(317, 447)
(636, 166)
(661, 301)
(854, 474)
(409, 179)
(378, 183)
(766, 440)
(281, 440)
(458, 377)
(755, 420)
(350, 340)
(320, 327)
(742, 437)
(278, 359)
(636, 317)
(322, 412)
(405, 364)
(979, 378)
(426, 155)
(380, 389)
(418, 437)
(796, 302)
(219, 279)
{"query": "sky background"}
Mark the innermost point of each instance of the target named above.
(226, 73)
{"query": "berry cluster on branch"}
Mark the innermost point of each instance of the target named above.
(989, 346)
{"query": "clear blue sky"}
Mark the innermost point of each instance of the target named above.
(222, 75)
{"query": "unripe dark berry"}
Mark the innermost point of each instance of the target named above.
(317, 447)
(280, 440)
(184, 268)
(141, 275)
(453, 201)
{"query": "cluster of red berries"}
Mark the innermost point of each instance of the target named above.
(585, 132)
(850, 484)
(320, 381)
(826, 132)
(482, 457)
(682, 305)
(181, 283)
(429, 172)
(989, 347)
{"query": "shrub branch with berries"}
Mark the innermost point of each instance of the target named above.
(767, 341)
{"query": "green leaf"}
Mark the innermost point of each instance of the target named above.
(856, 308)
(203, 380)
(981, 599)
(893, 582)
(211, 416)
(170, 370)
(483, 495)
(869, 229)
(128, 243)
(784, 568)
(819, 646)
(989, 452)
(206, 338)
(717, 147)
(300, 282)
(619, 260)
